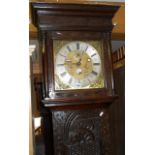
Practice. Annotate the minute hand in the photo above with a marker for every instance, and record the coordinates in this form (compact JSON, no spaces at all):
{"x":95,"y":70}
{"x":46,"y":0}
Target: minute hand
{"x":78,"y":63}
{"x":83,"y":52}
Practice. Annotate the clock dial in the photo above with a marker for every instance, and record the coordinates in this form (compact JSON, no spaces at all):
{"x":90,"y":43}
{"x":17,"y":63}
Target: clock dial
{"x":77,"y":65}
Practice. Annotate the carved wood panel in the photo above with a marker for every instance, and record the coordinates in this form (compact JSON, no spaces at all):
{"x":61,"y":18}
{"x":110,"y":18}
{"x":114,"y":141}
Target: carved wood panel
{"x":84,"y":132}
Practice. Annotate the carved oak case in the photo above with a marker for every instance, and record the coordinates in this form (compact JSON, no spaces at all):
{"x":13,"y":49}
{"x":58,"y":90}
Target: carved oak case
{"x":75,"y":48}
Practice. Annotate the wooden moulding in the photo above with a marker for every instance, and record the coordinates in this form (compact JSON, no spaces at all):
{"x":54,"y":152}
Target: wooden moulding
{"x":57,"y":16}
{"x":114,"y":36}
{"x":78,"y":103}
{"x":118,"y":31}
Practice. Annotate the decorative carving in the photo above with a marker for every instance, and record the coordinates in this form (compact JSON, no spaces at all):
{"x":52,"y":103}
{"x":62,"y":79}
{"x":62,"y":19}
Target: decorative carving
{"x":82,"y":132}
{"x":105,"y":132}
{"x":60,"y":116}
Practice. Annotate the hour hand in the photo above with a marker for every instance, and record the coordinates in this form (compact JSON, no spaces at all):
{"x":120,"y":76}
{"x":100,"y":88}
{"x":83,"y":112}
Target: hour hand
{"x":79,"y":62}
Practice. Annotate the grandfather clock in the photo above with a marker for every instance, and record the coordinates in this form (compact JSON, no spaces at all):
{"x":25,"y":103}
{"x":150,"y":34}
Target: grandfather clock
{"x":75,"y":41}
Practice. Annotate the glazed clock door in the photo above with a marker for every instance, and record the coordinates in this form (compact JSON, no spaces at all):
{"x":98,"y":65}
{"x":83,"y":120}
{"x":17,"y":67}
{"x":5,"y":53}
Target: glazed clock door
{"x":78,"y":65}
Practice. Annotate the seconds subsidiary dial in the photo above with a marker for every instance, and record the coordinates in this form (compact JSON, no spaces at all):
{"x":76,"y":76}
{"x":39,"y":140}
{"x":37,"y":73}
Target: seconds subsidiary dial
{"x":77,"y":64}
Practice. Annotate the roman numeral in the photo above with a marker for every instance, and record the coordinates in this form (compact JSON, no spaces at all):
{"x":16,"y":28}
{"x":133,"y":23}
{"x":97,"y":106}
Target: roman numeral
{"x":94,"y":73}
{"x":96,"y":64}
{"x":86,"y":48}
{"x":69,"y":49}
{"x":62,"y":55}
{"x":89,"y":81}
{"x":93,"y":54}
{"x":77,"y":46}
{"x":63,"y":74}
{"x":70,"y":80}
{"x":59,"y":65}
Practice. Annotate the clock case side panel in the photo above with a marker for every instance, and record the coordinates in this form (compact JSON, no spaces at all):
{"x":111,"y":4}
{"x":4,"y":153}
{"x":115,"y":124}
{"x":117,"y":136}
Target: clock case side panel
{"x":49,"y":63}
{"x":44,"y":62}
{"x":108,"y":63}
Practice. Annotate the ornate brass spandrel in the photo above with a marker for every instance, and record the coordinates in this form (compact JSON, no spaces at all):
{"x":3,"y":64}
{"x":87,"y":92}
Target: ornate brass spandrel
{"x":59,"y":85}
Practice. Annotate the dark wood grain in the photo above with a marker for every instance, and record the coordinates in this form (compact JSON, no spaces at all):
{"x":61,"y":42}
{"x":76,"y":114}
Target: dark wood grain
{"x":56,"y":16}
{"x":117,"y":113}
{"x":78,"y":132}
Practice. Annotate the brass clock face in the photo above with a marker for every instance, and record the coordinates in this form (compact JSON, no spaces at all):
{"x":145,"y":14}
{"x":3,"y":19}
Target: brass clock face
{"x":78,"y":65}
